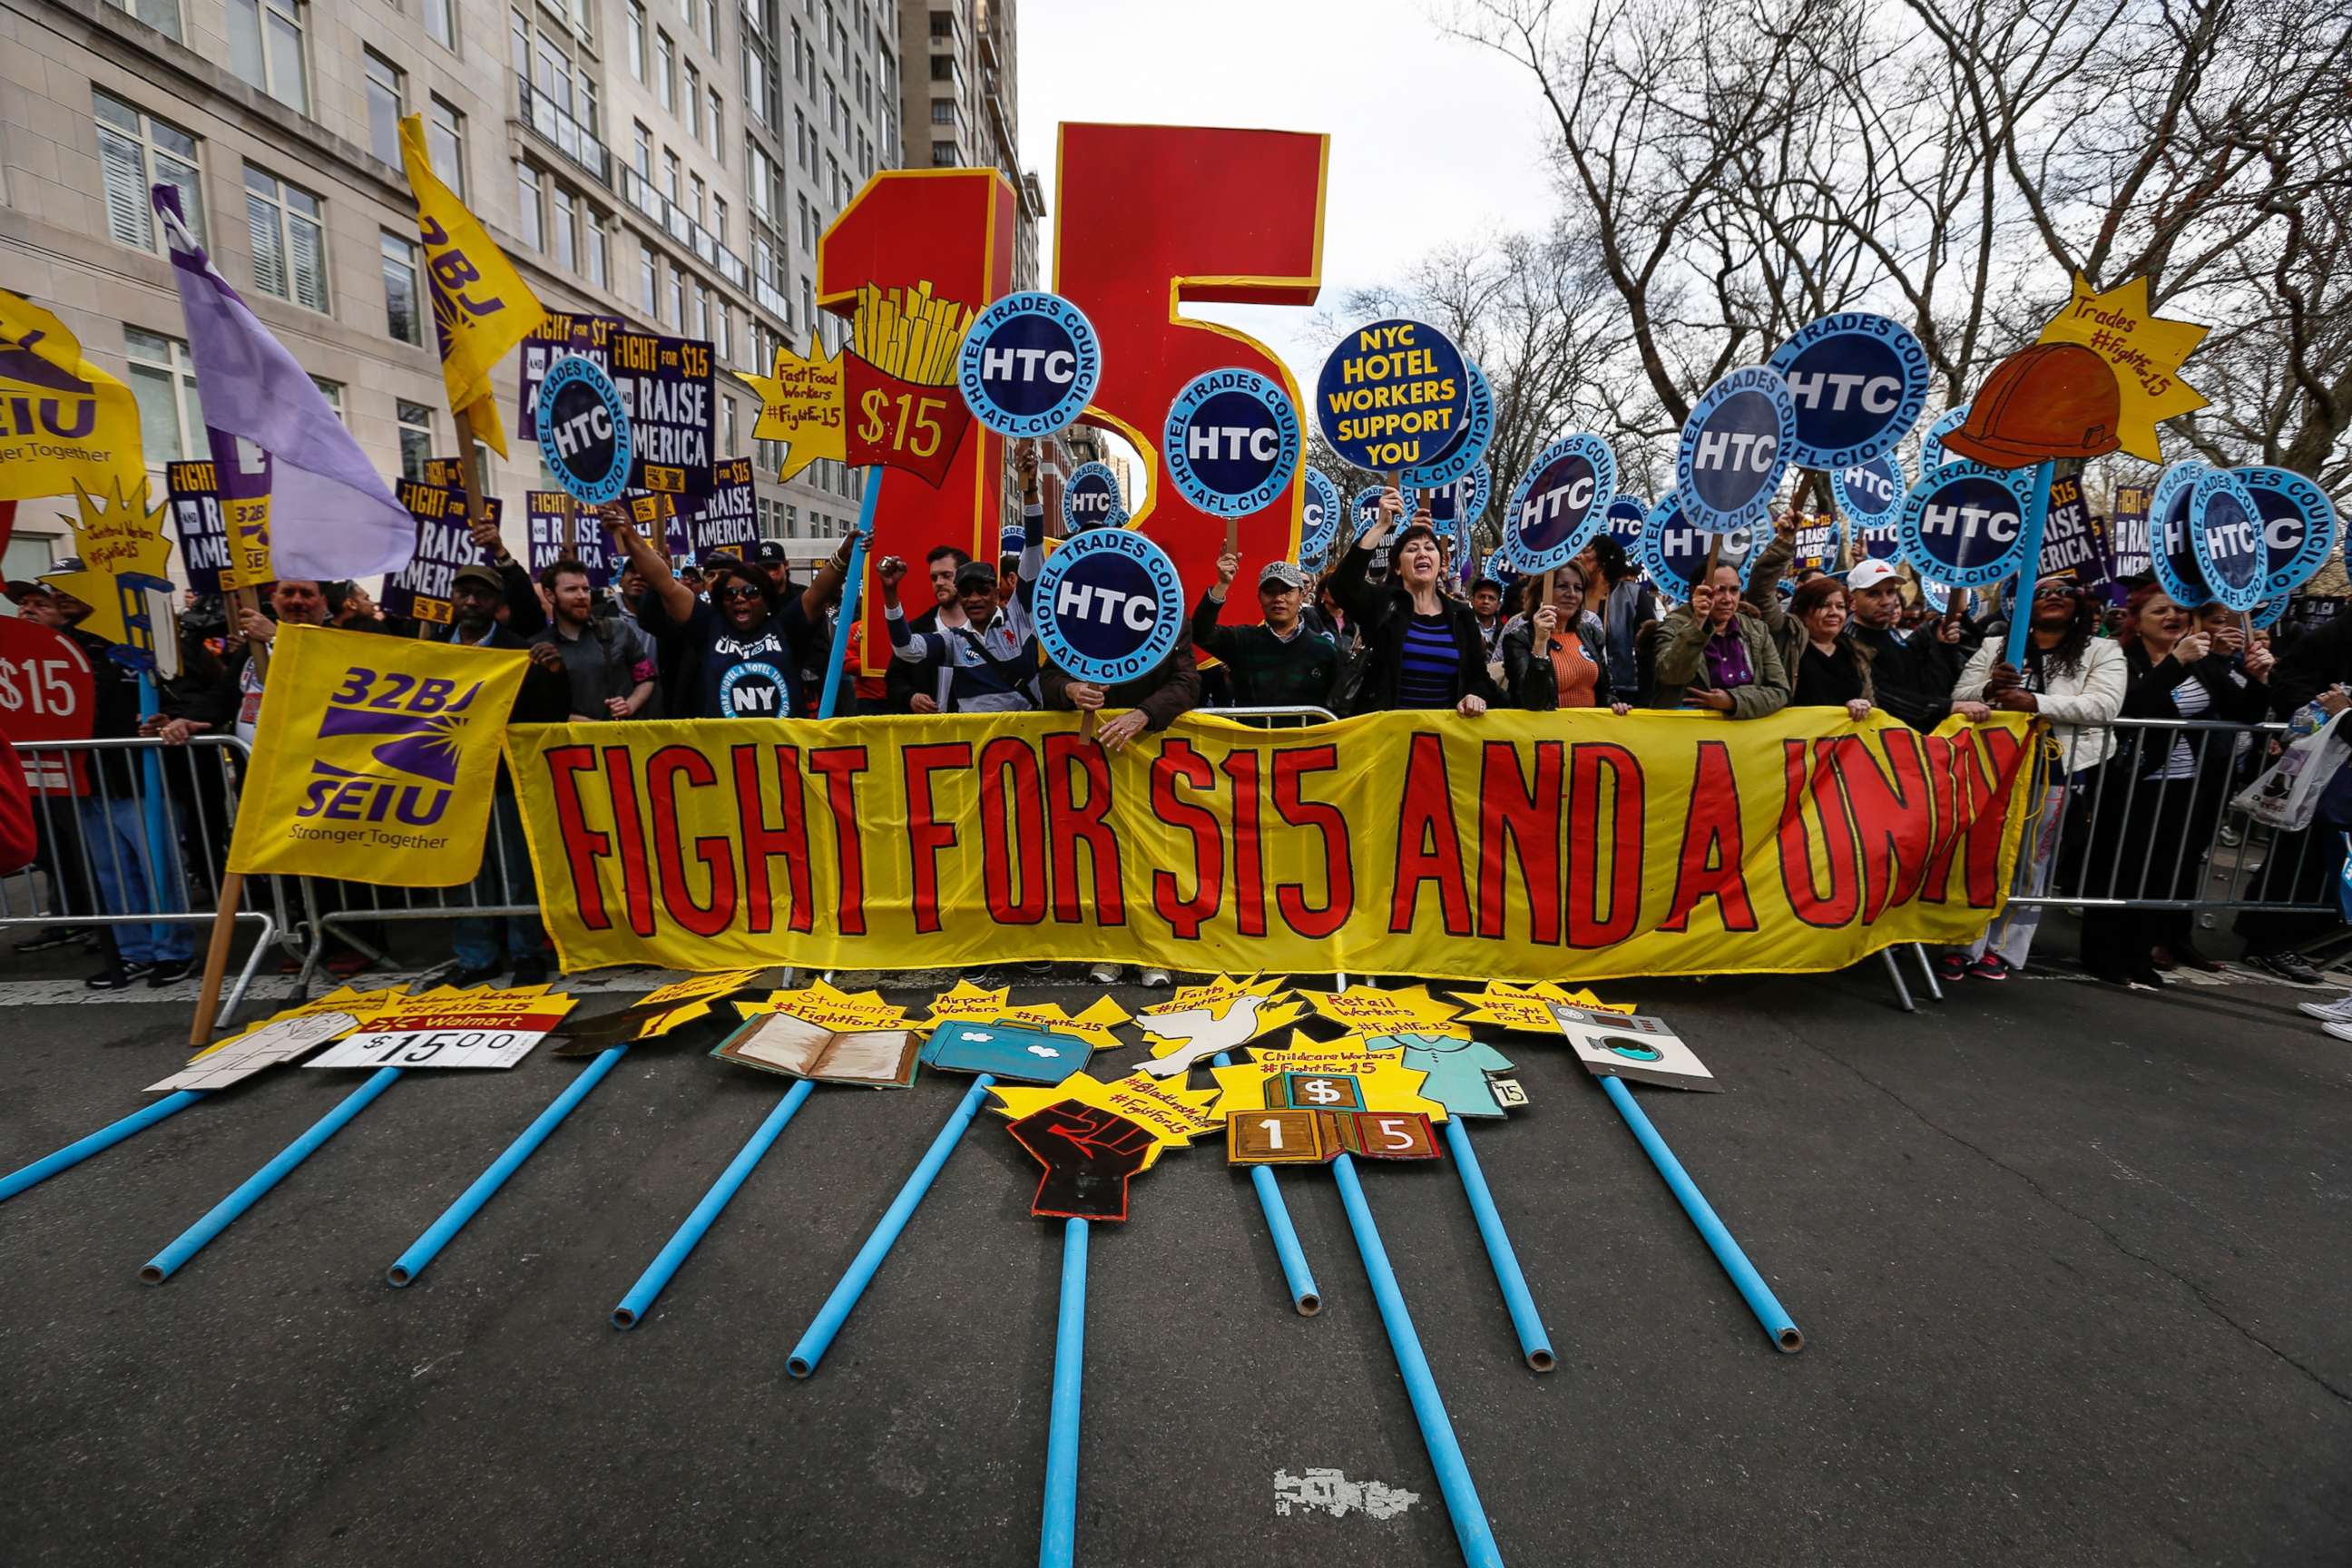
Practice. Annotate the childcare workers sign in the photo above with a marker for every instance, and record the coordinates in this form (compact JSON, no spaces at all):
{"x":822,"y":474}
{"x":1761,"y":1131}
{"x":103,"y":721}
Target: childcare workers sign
{"x":1527,"y":846}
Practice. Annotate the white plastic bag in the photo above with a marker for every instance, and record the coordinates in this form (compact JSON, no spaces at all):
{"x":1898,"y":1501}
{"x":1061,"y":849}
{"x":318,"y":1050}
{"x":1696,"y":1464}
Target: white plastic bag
{"x":2288,"y":792}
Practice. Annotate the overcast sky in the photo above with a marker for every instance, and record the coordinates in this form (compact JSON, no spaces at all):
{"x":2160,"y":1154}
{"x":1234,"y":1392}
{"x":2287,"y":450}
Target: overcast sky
{"x":1431,"y":137}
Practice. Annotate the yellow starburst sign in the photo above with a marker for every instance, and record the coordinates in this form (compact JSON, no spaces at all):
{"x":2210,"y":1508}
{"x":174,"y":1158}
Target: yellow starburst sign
{"x":1372,"y":1011}
{"x":124,"y":555}
{"x":801,"y":403}
{"x":965,"y":1003}
{"x":1203,"y":1021}
{"x":1527,"y":1009}
{"x":1171,"y":1113}
{"x":1383,"y":1083}
{"x":888,"y":400}
{"x":830,"y":1007}
{"x":2144,"y":350}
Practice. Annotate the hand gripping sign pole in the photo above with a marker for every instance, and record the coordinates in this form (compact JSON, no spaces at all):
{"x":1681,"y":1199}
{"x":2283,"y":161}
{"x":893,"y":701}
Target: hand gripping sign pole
{"x":1109,"y":608}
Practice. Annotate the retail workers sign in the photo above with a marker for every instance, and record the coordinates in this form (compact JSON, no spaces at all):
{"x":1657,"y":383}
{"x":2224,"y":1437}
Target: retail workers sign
{"x":1520,"y":846}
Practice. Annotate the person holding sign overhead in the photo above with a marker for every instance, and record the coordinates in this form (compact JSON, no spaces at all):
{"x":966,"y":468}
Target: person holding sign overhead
{"x":1278,"y":663}
{"x":1425,"y":650}
{"x":990,"y":655}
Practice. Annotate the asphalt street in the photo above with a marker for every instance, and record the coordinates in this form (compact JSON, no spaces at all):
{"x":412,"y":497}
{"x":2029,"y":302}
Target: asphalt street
{"x":2071,"y":1267}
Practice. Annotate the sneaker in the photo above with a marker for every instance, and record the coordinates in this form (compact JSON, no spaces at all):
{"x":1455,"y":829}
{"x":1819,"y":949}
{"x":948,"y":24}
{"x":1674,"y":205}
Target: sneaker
{"x":2290,"y":966}
{"x":1991,"y":966}
{"x":532,"y":971}
{"x":1103,"y":974}
{"x":1154,"y":979}
{"x":1951,"y":966}
{"x":2341,"y":1031}
{"x":56,"y":937}
{"x":171,"y":972}
{"x":2232,"y":836}
{"x":2337,"y":1011}
{"x":119,"y":976}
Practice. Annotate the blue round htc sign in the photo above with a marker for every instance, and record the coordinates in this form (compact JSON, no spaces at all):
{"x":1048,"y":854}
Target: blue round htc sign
{"x":1931,"y":445}
{"x":1561,"y":502}
{"x":1858,"y":382}
{"x":1366,"y":506}
{"x":583,"y":431}
{"x":1735,"y":448}
{"x":1963,"y":524}
{"x":1468,"y":446}
{"x":1869,"y":491}
{"x":1674,"y":549}
{"x":1320,"y":518}
{"x":2226,"y":531}
{"x":1457,"y":505}
{"x":1030,"y":364}
{"x":2171,"y":537}
{"x":1109,"y":605}
{"x":1091,"y":499}
{"x":2298,"y":527}
{"x":1393,"y":396}
{"x":1623,"y":523}
{"x":1230,"y":442}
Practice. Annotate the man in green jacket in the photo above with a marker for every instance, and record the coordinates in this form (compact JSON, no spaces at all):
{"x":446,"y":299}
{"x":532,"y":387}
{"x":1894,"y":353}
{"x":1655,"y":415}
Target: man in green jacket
{"x":1277,"y":663}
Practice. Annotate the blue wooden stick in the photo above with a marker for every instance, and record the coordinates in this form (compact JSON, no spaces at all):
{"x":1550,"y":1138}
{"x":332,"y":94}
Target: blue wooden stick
{"x":105,"y":1137}
{"x":438,"y":1235}
{"x":837,"y":1305}
{"x":1759,"y":1295}
{"x":849,"y":590}
{"x":2037,"y":517}
{"x":1057,"y":1539}
{"x":1534,"y":1342}
{"x":1304,"y":1293}
{"x":1461,"y":1493}
{"x":640,"y":1299}
{"x":191,"y":1241}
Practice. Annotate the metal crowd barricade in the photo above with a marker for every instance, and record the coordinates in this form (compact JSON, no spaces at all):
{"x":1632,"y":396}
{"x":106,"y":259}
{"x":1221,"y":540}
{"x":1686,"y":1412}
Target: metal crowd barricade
{"x":1297,"y":716}
{"x":2124,"y":840}
{"x":124,"y":843}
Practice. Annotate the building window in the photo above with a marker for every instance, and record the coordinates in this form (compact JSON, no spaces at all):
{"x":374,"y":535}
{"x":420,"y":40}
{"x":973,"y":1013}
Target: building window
{"x":289,"y":239}
{"x":441,"y":22}
{"x":702,"y":311}
{"x":636,"y":40}
{"x":587,"y":107}
{"x":599,"y":250}
{"x":415,"y":437}
{"x":386,"y":93}
{"x":942,"y":26}
{"x":563,"y":217}
{"x":670,"y":168}
{"x":265,"y":48}
{"x":554,"y":79}
{"x":518,"y":45}
{"x":699,"y":192}
{"x":526,"y":222}
{"x":798,"y":75}
{"x":944,"y":156}
{"x":713,"y":131}
{"x":726,"y":408}
{"x":403,"y":315}
{"x":718,"y":218}
{"x":164,"y":16}
{"x":675,"y":315}
{"x":755,"y":80}
{"x":647,"y":280}
{"x":164,"y":380}
{"x":332,"y":391}
{"x":693,"y":101}
{"x":760,"y":174}
{"x":134,"y":149}
{"x":641,"y":151}
{"x":444,"y":139}
{"x":943,"y":67}
{"x":944,"y":111}
{"x":666,"y":70}
{"x":808,"y":303}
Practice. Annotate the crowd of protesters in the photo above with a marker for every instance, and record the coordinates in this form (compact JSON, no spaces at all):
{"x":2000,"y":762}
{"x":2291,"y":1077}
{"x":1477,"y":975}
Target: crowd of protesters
{"x":1390,"y":625}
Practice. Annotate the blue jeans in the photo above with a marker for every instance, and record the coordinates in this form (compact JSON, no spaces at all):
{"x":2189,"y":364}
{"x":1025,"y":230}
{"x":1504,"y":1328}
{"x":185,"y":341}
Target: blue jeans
{"x":114,"y":832}
{"x":476,"y":940}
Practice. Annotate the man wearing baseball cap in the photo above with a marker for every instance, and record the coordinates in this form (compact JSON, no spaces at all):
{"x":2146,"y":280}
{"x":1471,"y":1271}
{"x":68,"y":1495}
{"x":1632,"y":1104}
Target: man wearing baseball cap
{"x":1913,"y":676}
{"x":1278,"y":663}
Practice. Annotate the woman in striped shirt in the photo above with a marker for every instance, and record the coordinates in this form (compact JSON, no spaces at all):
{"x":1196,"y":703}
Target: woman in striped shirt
{"x":1425,"y":650}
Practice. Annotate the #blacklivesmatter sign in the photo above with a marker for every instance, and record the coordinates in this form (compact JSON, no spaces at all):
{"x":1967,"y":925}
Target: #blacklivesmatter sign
{"x":1529,"y":847}
{"x":422,"y":590}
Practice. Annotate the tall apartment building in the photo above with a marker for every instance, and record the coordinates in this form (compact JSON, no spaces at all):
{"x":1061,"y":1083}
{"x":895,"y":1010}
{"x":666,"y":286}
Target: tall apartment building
{"x":961,"y":104}
{"x":670,"y":162}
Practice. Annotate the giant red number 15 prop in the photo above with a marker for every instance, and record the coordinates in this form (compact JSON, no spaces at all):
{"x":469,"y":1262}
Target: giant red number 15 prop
{"x":1150,"y":218}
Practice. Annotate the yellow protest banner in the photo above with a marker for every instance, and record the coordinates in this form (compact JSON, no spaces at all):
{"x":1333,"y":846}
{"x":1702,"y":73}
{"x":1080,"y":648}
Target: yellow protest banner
{"x":1519,"y":847}
{"x":481,"y":306}
{"x":374,"y":759}
{"x":65,"y":425}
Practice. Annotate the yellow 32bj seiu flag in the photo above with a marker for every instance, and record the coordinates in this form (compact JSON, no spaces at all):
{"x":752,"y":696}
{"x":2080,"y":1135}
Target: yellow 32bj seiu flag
{"x":481,"y":306}
{"x":65,"y":423}
{"x":374,"y":759}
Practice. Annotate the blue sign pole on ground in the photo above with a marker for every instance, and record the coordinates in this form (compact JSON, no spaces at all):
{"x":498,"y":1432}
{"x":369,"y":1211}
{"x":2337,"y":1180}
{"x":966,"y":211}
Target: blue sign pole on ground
{"x":105,"y":1138}
{"x":640,"y":1299}
{"x":1535,"y":1340}
{"x":815,"y":1340}
{"x":222,"y":1214}
{"x":1057,"y":1537}
{"x":1304,"y":1295}
{"x":438,"y":1235}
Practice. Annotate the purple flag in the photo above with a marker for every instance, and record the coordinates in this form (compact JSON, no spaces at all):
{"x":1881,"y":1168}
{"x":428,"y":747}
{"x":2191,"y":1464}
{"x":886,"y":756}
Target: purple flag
{"x":331,"y":515}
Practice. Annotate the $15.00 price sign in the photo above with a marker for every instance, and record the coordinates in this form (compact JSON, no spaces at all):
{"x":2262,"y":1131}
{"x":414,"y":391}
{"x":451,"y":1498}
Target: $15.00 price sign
{"x":46,"y":693}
